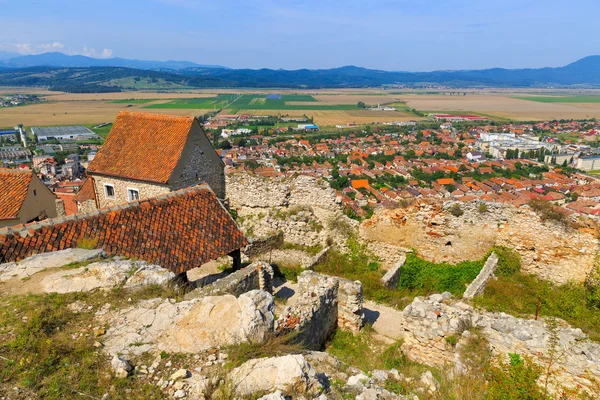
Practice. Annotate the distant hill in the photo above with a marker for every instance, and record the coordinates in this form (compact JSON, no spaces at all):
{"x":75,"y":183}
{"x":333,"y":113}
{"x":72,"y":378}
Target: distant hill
{"x":83,"y":78}
{"x":62,"y":60}
{"x":7,"y":55}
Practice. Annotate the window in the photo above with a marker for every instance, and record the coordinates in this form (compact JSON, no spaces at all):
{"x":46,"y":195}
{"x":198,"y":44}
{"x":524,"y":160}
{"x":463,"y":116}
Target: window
{"x":133,"y":194}
{"x":34,"y":192}
{"x":109,"y":191}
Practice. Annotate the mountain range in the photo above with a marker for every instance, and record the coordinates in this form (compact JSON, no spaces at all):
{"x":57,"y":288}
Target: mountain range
{"x":55,"y":59}
{"x":84,"y":74}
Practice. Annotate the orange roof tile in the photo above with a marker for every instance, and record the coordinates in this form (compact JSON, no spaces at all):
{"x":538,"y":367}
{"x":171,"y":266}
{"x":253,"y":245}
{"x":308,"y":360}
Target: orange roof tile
{"x":86,"y":192}
{"x":14,"y":186}
{"x":143,"y":146}
{"x":360,"y":183}
{"x":446,"y":181}
{"x":179,"y":231}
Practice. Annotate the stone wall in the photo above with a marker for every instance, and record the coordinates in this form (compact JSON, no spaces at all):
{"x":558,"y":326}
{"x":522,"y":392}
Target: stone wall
{"x":258,"y":275}
{"x":203,"y":165}
{"x":314,"y":315}
{"x":86,"y":206}
{"x":60,"y":208}
{"x":349,"y":296}
{"x":320,"y":256}
{"x":263,"y":245}
{"x":547,"y":249}
{"x":300,"y":207}
{"x":478,"y":285}
{"x":392,"y":276}
{"x":146,"y":190}
{"x":428,"y":322}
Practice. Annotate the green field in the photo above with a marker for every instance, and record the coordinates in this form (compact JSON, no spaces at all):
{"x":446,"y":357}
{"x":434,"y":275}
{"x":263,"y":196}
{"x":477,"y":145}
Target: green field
{"x":260,"y":102}
{"x":132,"y":101}
{"x":205,"y":103}
{"x":562,"y":99}
{"x":101,"y":131}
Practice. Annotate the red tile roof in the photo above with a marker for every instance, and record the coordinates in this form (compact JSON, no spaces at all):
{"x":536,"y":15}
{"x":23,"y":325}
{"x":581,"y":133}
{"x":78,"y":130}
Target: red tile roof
{"x":86,"y":192}
{"x":179,"y":231}
{"x":14,"y":186}
{"x":143,"y":146}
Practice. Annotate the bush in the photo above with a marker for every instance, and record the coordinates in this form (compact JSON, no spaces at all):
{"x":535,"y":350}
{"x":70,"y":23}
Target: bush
{"x":517,"y":381}
{"x":482,"y":208}
{"x":456,"y":210}
{"x":549,"y":212}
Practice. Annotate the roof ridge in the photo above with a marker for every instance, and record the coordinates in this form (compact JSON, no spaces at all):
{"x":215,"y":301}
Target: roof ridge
{"x":150,"y":115}
{"x":20,"y":229}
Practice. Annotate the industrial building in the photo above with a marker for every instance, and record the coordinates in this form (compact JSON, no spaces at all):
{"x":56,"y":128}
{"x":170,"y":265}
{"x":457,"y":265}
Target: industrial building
{"x":63,"y":133}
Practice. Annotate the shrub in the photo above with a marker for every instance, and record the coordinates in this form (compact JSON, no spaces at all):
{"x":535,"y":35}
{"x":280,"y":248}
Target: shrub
{"x":517,"y":381}
{"x":456,"y":210}
{"x":482,"y":208}
{"x":549,"y":212}
{"x":87,"y":243}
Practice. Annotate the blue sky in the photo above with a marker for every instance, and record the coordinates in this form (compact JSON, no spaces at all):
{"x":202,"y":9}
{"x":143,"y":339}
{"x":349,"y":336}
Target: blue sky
{"x":407,"y":35}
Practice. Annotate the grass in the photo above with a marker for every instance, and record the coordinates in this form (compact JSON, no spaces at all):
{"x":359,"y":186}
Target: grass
{"x":87,"y":243}
{"x":204,"y":103}
{"x":419,"y":277}
{"x":549,"y":212}
{"x":260,"y":102}
{"x":274,"y":346}
{"x":562,"y":99}
{"x":518,"y":295}
{"x":47,"y":351}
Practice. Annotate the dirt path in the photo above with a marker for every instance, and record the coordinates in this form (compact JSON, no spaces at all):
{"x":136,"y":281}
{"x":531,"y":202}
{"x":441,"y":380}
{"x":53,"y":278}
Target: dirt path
{"x":386,"y":320}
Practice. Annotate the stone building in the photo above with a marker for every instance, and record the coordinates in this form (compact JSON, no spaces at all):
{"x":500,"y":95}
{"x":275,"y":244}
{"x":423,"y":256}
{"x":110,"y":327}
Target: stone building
{"x":24,"y":198}
{"x":146,"y":155}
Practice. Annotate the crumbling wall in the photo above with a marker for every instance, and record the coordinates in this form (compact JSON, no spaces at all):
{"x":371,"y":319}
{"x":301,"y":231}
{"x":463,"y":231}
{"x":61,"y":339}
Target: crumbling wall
{"x":392,"y":277}
{"x":478,"y":285}
{"x":256,"y":276}
{"x":349,"y":310}
{"x":548,"y":249}
{"x":263,"y":245}
{"x":313,"y":317}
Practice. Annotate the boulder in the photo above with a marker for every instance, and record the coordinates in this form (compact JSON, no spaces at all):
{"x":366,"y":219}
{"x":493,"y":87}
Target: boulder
{"x":290,"y":374}
{"x":190,"y":326}
{"x":148,"y":275}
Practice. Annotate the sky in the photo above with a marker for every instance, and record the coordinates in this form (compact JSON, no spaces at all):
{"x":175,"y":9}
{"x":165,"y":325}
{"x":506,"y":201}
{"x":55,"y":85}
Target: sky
{"x":397,"y":35}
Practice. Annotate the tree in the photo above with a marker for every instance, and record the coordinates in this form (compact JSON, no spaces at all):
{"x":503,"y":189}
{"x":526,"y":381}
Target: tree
{"x":361,"y":104}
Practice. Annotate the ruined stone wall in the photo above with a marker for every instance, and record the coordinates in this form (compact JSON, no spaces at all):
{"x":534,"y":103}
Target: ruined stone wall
{"x":300,"y":207}
{"x":548,"y":250}
{"x":478,"y":285}
{"x":428,"y":322}
{"x":86,"y":206}
{"x":263,"y":245}
{"x":349,"y":297}
{"x":314,"y":315}
{"x":258,"y":275}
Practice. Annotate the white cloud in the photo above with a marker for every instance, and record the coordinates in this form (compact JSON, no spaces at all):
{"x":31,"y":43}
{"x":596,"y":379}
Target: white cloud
{"x":39,"y":48}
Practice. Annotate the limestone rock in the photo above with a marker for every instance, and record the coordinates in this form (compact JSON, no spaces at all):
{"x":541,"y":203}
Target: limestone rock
{"x":190,"y":326}
{"x":39,"y":262}
{"x":179,"y":374}
{"x":277,"y":395}
{"x":148,"y":275}
{"x":290,"y":374}
{"x":120,"y":366}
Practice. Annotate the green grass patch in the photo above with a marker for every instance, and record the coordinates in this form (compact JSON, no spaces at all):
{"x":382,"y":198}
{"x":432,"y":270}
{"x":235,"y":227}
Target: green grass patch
{"x":561,"y":99}
{"x":419,"y":277}
{"x":204,"y":103}
{"x":260,"y":102}
{"x":424,"y":277}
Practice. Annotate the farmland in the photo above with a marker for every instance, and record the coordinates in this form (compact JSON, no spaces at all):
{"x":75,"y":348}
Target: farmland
{"x":562,"y":99}
{"x":327,"y":107}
